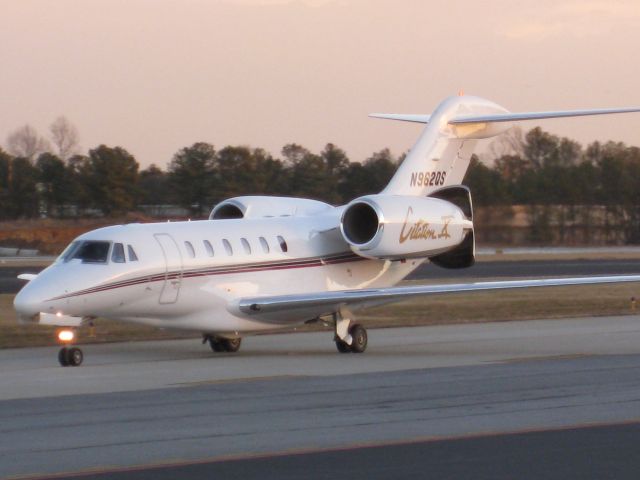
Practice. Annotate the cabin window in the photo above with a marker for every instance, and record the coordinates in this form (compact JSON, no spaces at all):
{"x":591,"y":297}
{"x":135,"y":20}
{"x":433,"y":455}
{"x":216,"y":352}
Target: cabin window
{"x":117,"y":255}
{"x":208,"y":248}
{"x":132,"y":254}
{"x":283,"y":244}
{"x":265,"y":244}
{"x":246,"y":246}
{"x":190,"y":249}
{"x":90,"y":251}
{"x":227,"y":246}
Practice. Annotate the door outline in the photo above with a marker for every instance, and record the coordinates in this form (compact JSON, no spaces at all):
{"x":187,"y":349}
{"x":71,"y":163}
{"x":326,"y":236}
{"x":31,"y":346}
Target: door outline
{"x":172,"y":269}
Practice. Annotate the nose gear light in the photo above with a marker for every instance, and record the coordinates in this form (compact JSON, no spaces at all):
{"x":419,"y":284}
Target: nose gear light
{"x":66,"y":336}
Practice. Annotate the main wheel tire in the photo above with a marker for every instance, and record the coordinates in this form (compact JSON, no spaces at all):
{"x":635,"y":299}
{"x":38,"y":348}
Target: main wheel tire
{"x":342,"y":346}
{"x":216,"y":344}
{"x":359,"y":336}
{"x":62,"y":357}
{"x":74,"y":357}
{"x":231,"y":344}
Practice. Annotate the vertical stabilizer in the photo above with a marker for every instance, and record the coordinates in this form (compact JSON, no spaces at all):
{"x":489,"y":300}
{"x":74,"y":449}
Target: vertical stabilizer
{"x":441,"y":155}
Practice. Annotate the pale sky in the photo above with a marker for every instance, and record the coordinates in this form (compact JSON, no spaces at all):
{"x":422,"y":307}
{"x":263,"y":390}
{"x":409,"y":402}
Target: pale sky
{"x":154,"y":76}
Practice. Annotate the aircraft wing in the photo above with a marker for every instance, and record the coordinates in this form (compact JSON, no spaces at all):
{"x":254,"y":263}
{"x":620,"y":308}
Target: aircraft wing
{"x":284,"y":309}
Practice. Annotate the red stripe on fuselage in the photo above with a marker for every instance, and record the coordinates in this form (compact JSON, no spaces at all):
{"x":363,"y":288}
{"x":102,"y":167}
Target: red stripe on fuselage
{"x":221,"y":270}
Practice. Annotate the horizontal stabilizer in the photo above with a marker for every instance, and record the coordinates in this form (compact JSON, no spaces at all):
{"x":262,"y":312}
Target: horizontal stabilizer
{"x":504,"y":117}
{"x":404,"y":117}
{"x":514,"y":117}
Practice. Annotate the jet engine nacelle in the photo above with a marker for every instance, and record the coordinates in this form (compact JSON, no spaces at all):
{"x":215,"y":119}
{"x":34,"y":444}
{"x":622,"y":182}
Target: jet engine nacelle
{"x":396,"y":227}
{"x":266,"y":206}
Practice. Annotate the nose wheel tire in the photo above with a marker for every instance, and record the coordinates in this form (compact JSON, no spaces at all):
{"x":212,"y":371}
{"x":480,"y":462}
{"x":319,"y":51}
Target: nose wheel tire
{"x":70,"y":357}
{"x":62,"y":357}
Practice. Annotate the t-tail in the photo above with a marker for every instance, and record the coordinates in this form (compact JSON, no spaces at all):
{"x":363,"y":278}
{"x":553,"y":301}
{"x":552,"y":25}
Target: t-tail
{"x":425,"y":211}
{"x":442,"y":153}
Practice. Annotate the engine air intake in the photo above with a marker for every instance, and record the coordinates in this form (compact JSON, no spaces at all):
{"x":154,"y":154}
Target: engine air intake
{"x":360,"y":223}
{"x":227,"y":211}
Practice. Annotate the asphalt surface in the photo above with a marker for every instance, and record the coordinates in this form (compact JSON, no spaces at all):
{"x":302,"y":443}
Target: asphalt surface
{"x":597,"y":452}
{"x":511,"y":400}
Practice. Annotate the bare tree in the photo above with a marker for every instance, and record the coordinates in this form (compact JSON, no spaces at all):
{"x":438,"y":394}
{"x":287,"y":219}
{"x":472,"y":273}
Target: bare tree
{"x":26,"y":142}
{"x":509,"y":143}
{"x":65,"y":137}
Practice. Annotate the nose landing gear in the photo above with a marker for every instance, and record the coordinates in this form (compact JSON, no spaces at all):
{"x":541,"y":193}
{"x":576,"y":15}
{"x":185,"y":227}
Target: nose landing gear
{"x":69,"y":356}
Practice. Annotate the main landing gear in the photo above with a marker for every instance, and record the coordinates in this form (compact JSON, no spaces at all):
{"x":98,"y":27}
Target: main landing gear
{"x":349,"y":338}
{"x":69,"y":356}
{"x":222,"y":344}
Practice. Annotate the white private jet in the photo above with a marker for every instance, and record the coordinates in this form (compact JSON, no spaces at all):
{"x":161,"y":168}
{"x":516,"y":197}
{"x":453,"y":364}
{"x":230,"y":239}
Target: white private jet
{"x":260,"y":263}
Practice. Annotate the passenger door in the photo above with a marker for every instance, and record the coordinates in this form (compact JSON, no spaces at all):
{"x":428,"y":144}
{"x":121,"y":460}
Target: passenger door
{"x":173,"y":268}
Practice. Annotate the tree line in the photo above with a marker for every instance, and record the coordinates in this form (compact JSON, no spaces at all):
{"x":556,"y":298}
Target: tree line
{"x":562,"y":183}
{"x":109,"y":181}
{"x":536,"y":169}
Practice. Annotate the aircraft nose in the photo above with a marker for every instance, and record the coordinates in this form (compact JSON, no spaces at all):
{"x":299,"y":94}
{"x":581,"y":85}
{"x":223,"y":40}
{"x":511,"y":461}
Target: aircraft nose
{"x":27,"y":302}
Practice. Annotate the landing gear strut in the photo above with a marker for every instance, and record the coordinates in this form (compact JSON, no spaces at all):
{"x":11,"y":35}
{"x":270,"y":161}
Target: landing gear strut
{"x":349,"y":338}
{"x":222,"y":344}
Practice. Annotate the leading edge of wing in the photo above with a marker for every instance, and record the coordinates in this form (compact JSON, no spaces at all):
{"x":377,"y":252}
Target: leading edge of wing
{"x":326,"y":302}
{"x":505,"y":117}
{"x":404,"y":117}
{"x":514,"y":117}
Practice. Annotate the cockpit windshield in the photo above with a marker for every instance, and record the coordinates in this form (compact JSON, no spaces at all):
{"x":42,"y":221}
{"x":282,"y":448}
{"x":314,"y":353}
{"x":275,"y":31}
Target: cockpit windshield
{"x":68,"y":252}
{"x":89,"y":251}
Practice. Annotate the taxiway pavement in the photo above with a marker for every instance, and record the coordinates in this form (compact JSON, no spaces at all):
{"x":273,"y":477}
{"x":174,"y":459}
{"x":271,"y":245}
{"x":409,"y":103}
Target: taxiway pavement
{"x":593,"y":452}
{"x":175,"y":401}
